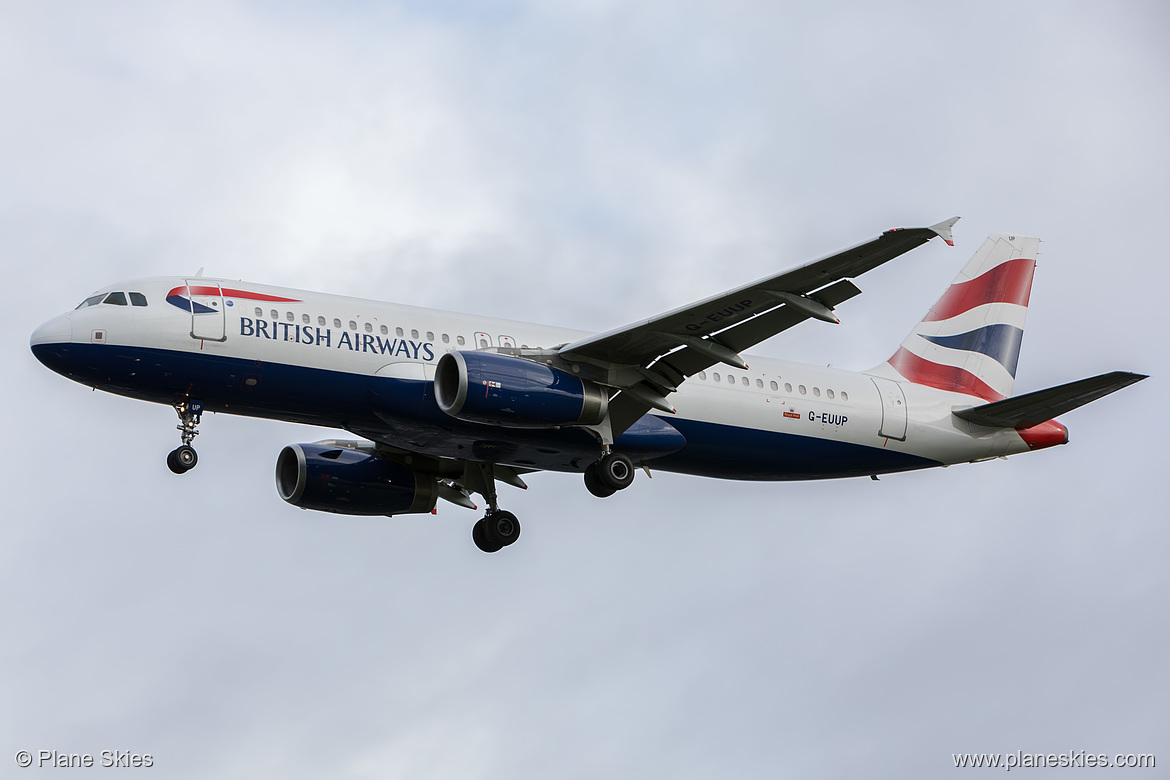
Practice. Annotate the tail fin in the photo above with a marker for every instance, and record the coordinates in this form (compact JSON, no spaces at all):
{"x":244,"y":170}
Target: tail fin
{"x":969,"y":341}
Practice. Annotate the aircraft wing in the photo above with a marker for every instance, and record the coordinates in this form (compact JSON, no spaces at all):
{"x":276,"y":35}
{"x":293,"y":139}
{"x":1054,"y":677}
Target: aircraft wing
{"x":648,"y":360}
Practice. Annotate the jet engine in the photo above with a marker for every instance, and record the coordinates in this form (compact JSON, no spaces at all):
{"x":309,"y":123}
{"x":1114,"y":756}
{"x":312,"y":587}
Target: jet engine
{"x":329,"y":478}
{"x":488,"y":387}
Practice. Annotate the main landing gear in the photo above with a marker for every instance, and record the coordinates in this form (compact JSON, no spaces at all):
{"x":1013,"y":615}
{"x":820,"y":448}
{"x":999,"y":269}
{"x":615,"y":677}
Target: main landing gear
{"x":495,"y":531}
{"x":607,"y":476}
{"x":183,"y":458}
{"x":498,"y":528}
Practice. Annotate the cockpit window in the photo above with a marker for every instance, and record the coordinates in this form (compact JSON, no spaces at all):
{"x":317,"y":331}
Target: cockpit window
{"x":116,"y":298}
{"x":138,"y":299}
{"x":92,"y":300}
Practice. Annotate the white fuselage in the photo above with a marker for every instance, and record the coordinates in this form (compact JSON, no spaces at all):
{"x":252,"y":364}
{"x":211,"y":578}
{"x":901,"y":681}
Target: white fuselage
{"x":364,"y":366}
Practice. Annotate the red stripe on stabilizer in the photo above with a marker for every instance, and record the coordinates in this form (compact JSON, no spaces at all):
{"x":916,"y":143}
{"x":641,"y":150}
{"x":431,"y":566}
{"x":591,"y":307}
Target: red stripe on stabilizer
{"x":925,"y":372}
{"x":228,"y":293}
{"x":1009,"y":282}
{"x":1046,"y":434}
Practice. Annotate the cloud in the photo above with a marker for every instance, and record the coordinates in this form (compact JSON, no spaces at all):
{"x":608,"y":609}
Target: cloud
{"x":585,"y":165}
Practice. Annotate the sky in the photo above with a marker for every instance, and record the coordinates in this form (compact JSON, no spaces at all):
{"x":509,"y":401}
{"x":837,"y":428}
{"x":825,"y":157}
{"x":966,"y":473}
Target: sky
{"x":585,"y":164}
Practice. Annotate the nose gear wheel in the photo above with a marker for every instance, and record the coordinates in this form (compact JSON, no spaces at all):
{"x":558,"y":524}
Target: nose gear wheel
{"x":183,"y":458}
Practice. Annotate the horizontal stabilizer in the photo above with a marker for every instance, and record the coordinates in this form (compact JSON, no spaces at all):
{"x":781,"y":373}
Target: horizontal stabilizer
{"x":1031,"y":409}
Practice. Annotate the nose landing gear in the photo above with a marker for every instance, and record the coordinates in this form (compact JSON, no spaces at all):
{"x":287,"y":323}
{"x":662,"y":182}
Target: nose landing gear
{"x":183,"y":458}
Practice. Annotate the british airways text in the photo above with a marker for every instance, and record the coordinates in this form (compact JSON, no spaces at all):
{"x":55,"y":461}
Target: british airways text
{"x":323,"y":337}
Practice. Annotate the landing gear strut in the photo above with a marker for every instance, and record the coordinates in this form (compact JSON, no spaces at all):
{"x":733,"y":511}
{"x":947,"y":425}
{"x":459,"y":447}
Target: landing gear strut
{"x":183,"y":458}
{"x":498,"y":528}
{"x":607,"y":476}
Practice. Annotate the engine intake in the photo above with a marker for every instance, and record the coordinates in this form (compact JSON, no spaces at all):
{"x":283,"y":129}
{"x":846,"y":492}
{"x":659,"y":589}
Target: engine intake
{"x":351,"y":482}
{"x":487,"y":387}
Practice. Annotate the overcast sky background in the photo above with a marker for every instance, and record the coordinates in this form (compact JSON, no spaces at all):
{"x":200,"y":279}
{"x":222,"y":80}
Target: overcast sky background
{"x":585,"y":164}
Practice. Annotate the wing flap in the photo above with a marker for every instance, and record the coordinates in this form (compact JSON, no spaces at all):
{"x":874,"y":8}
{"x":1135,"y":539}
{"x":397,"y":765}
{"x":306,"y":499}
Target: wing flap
{"x":1030,"y":409}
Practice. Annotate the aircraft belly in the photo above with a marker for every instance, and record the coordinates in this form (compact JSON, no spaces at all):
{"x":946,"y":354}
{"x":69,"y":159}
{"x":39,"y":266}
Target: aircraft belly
{"x":403,"y":413}
{"x":397,"y":412}
{"x":732,"y":452}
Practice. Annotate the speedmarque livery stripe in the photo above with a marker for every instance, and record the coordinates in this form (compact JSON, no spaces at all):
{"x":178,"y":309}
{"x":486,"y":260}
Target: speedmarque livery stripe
{"x":176,"y":297}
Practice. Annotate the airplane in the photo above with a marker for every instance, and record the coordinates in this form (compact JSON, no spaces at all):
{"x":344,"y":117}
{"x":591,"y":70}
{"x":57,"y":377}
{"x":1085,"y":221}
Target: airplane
{"x":448,"y":405}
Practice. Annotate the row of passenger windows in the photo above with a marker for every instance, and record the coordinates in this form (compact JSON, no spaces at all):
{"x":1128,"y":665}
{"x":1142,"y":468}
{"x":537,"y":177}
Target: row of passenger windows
{"x":483,"y":340}
{"x":774,"y":385}
{"x":115,"y":298}
{"x":508,"y":341}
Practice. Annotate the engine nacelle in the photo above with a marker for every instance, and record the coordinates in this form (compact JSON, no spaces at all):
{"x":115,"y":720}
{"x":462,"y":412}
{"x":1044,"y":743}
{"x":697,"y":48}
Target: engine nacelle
{"x":351,"y":482}
{"x":487,"y":387}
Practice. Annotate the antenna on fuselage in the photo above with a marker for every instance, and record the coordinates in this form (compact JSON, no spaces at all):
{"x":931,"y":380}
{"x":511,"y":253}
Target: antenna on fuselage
{"x":199,"y":273}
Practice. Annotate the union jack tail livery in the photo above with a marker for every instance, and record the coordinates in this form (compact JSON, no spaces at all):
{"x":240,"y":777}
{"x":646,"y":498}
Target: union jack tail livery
{"x":969,"y":341}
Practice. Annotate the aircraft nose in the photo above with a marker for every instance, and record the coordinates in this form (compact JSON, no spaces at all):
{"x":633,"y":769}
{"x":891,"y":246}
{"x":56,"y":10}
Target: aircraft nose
{"x":50,"y":343}
{"x":58,"y":330}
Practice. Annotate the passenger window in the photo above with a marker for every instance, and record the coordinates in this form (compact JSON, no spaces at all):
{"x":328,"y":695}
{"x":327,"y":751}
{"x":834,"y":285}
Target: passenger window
{"x":788,"y":387}
{"x":369,"y":327}
{"x":275,"y":314}
{"x":446,"y":339}
{"x":760,"y":383}
{"x":259,"y":312}
{"x":336,"y":322}
{"x":116,"y":298}
{"x":844,"y":396}
{"x":817,"y":392}
{"x":430,"y":336}
{"x":413,"y":333}
{"x":830,"y":394}
{"x":137,"y":299}
{"x":398,"y":332}
{"x":305,"y":318}
{"x":703,"y":375}
{"x":774,"y":386}
{"x":460,"y":340}
{"x":715,"y":376}
{"x":746,"y":382}
{"x":289,"y":316}
{"x":802,"y":390}
{"x":384,"y":330}
{"x":352,"y":325}
{"x":321,"y":321}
